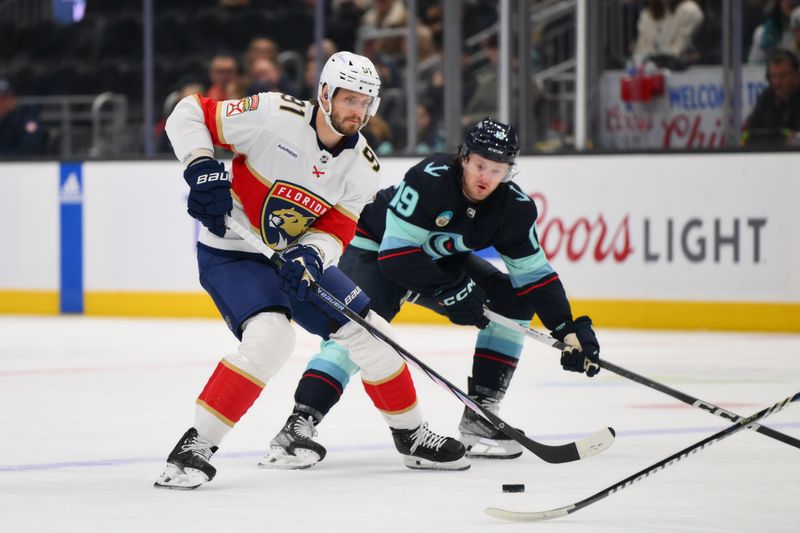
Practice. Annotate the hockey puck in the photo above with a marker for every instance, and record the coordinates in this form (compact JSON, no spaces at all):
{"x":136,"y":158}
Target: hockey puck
{"x":513,"y":488}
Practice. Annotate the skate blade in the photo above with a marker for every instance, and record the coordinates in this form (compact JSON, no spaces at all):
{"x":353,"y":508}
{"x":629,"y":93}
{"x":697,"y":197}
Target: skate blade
{"x":417,"y":463}
{"x":279,"y":459}
{"x":176,"y":478}
{"x":484,"y":448}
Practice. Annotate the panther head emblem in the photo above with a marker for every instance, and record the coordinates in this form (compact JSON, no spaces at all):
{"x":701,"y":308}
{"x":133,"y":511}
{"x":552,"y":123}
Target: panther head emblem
{"x":290,"y":222}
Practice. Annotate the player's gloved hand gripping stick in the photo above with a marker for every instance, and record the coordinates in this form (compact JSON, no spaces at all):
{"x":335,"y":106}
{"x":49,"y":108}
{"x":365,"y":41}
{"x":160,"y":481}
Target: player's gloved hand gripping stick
{"x":209,"y":193}
{"x":581,"y":352}
{"x":301,"y":267}
{"x":633,"y":376}
{"x":463,"y":302}
{"x":573,"y":451}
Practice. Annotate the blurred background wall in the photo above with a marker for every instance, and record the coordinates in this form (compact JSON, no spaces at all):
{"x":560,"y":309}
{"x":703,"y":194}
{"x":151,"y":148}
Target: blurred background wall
{"x":658,"y":136}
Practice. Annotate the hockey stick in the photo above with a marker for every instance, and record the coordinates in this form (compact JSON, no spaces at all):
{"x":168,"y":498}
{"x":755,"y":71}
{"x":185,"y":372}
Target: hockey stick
{"x":742,"y":423}
{"x":633,"y":376}
{"x":573,"y":451}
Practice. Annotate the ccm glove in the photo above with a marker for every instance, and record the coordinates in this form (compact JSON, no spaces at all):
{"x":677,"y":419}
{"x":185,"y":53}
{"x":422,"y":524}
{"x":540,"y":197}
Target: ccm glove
{"x":585,"y":356}
{"x":209,"y":193}
{"x":463,"y":302}
{"x":302,"y":265}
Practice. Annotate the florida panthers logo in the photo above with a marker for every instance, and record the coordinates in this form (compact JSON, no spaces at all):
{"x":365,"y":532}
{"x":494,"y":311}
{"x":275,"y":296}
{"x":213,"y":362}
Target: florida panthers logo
{"x":288,"y":222}
{"x":288,"y":211}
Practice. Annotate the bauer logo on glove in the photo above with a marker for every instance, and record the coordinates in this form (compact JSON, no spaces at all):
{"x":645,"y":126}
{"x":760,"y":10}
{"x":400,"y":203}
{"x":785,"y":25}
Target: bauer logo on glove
{"x":209,"y":193}
{"x":213,"y":176}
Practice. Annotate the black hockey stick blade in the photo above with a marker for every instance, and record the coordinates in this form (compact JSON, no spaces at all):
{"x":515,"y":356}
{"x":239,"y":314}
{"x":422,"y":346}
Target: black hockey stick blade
{"x":642,"y":380}
{"x":572,"y":451}
{"x":523,"y":516}
{"x":562,"y":453}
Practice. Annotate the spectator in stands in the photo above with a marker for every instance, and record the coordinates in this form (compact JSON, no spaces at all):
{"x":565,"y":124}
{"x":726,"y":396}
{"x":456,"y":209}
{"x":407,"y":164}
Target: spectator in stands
{"x":342,"y":23}
{"x":754,"y":13}
{"x":379,"y":135}
{"x":260,"y":48}
{"x":385,"y":14}
{"x":265,"y":76}
{"x":794,"y":24}
{"x":483,"y":100}
{"x":172,"y":99}
{"x":666,"y":29}
{"x":776,"y":115}
{"x":237,"y":88}
{"x":328,"y":49}
{"x":309,"y":89}
{"x":387,"y":65}
{"x":774,"y":33}
{"x":221,"y":71}
{"x":260,"y":73}
{"x":430,"y":138}
{"x":21,"y":134}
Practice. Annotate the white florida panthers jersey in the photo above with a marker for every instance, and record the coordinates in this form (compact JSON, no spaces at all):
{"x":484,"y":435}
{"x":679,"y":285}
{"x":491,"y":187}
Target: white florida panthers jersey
{"x":287,"y":186}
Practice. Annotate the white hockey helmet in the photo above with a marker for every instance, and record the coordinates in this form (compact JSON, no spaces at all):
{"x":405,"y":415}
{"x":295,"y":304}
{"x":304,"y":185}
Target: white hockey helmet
{"x":346,"y":70}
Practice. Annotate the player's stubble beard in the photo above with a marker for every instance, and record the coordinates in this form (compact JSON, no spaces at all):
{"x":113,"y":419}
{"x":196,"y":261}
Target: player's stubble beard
{"x":347,"y":128}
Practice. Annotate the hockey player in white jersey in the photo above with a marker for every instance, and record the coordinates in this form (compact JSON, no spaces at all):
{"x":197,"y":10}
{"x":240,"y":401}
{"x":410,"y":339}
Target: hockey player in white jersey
{"x":301,"y":174}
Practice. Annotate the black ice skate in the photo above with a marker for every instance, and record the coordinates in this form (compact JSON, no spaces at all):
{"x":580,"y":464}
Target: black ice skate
{"x":423,"y":449}
{"x":480,"y":437}
{"x":188,"y":464}
{"x":293,"y":447}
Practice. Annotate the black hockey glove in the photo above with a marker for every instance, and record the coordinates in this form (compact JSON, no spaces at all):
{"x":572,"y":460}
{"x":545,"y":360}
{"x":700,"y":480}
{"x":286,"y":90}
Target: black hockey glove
{"x":209,"y":194}
{"x":463,"y":302}
{"x":585,"y":357}
{"x":301,"y":266}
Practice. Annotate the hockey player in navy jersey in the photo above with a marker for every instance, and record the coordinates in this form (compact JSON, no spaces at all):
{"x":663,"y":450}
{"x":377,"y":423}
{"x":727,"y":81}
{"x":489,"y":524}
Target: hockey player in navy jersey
{"x":415,"y":242}
{"x":301,"y":175}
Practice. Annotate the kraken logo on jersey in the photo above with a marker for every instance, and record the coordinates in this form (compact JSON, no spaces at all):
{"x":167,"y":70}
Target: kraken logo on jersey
{"x":288,"y":211}
{"x":442,"y":244}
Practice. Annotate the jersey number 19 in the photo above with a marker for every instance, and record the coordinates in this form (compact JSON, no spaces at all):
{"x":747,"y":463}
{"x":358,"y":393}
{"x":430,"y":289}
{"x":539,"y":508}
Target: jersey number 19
{"x":405,"y":200}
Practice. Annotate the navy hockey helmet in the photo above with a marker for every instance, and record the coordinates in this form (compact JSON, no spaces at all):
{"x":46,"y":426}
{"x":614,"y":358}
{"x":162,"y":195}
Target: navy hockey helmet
{"x":493,"y":140}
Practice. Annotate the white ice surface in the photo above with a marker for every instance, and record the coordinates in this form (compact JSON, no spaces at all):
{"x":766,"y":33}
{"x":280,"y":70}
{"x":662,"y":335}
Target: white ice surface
{"x":89,"y":409}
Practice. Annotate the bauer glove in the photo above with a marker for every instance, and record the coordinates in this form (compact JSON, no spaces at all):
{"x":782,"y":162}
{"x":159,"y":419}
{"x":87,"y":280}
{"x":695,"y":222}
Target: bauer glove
{"x":209,"y":193}
{"x":302,"y":265}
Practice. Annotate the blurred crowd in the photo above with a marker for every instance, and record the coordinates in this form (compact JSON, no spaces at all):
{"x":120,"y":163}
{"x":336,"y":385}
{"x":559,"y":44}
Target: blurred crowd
{"x":671,"y":34}
{"x":680,"y":33}
{"x":365,"y":26}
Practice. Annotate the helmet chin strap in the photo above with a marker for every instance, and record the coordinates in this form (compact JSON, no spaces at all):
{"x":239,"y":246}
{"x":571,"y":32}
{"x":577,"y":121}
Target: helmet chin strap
{"x":327,"y":116}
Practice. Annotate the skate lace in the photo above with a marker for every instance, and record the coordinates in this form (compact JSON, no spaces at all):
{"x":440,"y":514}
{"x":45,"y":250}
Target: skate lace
{"x":305,"y":427}
{"x":491,"y":404}
{"x":426,"y":438}
{"x":199,"y":446}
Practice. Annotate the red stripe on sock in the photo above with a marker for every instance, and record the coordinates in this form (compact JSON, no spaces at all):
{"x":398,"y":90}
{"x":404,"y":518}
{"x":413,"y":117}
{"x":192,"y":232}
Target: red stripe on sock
{"x":329,"y":382}
{"x":396,"y":394}
{"x":229,"y":393}
{"x":542,"y":284}
{"x":493,"y":358}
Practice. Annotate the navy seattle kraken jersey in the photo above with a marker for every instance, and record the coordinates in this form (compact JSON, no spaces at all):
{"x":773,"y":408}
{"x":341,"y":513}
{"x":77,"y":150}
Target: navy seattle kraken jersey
{"x":427,"y":218}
